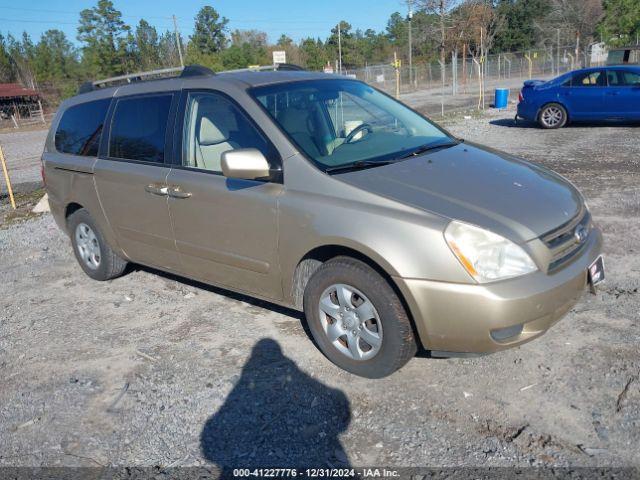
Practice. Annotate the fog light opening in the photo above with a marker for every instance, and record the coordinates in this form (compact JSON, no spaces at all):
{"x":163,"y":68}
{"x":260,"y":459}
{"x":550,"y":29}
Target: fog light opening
{"x":504,"y":334}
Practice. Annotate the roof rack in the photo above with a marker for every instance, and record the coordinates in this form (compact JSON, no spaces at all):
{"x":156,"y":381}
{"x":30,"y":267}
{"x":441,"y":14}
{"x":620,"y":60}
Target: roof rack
{"x":288,"y":67}
{"x":182,"y":72}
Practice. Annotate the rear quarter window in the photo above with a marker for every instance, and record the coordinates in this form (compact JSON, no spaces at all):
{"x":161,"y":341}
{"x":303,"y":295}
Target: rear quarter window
{"x":80,"y":127}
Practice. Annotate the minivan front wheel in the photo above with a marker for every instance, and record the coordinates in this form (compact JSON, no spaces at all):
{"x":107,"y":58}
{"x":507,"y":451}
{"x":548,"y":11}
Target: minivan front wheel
{"x":357,"y":320}
{"x":552,"y":115}
{"x":95,"y":256}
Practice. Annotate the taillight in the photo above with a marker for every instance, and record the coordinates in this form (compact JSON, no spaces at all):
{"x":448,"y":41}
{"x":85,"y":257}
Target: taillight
{"x":520,"y":97}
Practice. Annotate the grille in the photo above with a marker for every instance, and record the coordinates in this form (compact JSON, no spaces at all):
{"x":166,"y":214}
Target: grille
{"x":562,"y":241}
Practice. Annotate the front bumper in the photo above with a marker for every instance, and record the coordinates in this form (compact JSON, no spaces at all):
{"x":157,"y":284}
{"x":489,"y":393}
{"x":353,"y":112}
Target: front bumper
{"x":460,"y":318}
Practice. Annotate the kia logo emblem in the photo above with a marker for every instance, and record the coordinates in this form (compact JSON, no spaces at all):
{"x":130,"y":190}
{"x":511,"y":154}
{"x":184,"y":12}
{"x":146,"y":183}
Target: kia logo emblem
{"x":580,"y":234}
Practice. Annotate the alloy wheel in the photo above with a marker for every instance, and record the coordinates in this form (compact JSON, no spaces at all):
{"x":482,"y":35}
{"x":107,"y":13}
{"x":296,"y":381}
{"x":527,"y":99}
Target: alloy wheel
{"x":552,"y":116}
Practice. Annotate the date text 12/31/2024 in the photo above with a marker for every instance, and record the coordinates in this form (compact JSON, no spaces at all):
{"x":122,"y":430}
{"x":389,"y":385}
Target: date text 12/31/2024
{"x":315,"y":473}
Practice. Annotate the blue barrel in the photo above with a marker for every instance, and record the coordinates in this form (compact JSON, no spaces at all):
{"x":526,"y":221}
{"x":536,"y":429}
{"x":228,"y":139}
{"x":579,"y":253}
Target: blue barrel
{"x":502,"y":98}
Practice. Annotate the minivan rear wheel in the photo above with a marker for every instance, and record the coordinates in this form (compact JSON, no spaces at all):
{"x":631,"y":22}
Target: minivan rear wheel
{"x":357,"y":319}
{"x":552,"y":115}
{"x":95,"y":256}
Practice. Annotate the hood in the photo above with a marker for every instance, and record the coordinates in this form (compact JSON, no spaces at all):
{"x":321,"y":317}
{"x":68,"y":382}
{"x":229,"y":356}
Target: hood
{"x":476,"y":185}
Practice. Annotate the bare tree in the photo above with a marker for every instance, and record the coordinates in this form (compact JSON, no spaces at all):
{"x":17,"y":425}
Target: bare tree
{"x":476,"y":24}
{"x":575,"y":20}
{"x":441,"y":8}
{"x":255,"y":38}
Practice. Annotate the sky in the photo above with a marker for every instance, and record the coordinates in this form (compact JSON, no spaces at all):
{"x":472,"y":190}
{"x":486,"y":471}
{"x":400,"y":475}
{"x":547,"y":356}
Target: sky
{"x":297,"y":18}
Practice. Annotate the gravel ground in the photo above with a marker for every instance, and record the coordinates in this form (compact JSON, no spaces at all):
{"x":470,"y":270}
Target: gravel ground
{"x":152,"y":370}
{"x":22,"y":151}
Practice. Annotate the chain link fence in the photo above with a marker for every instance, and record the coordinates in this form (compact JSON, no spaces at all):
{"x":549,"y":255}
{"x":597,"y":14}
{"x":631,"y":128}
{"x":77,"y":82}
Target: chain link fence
{"x":465,"y":83}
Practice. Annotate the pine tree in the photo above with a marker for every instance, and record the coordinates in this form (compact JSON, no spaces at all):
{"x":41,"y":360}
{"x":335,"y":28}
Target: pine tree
{"x":209,"y":32}
{"x":104,"y":36}
{"x":147,"y":45}
{"x":7,"y":72}
{"x":620,"y":25}
{"x":55,"y":57}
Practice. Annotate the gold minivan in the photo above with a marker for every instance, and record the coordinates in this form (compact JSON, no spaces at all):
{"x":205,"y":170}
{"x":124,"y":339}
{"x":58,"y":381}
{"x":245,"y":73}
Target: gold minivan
{"x":319,"y":192}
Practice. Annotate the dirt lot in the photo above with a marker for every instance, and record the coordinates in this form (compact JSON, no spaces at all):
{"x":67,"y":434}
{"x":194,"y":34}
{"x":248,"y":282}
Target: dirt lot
{"x":154,"y":370}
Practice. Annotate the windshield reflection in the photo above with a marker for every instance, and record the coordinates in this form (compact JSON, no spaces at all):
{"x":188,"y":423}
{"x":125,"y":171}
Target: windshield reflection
{"x":345,"y":122}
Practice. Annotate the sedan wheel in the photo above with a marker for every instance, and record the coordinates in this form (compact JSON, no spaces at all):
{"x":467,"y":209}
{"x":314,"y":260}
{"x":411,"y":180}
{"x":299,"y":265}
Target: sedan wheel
{"x":553,"y":116}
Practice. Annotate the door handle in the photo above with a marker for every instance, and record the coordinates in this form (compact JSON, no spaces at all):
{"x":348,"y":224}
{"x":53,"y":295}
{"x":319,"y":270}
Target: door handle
{"x":156,"y":189}
{"x":176,"y":192}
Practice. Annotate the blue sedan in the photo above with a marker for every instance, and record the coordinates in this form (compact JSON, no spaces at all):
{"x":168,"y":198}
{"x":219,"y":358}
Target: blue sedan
{"x":590,"y":94}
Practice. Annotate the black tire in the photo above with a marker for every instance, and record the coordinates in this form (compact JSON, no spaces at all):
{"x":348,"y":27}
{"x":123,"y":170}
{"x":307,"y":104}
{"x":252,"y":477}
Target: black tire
{"x":110,"y":265}
{"x":398,"y":344}
{"x":552,"y":116}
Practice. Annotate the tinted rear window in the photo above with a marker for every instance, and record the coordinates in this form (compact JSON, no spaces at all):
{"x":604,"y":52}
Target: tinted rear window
{"x":139,"y":128}
{"x":80,"y":127}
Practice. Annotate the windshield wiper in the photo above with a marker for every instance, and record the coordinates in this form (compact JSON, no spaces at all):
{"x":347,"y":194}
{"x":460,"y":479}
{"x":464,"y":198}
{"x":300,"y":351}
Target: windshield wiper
{"x":359,"y":165}
{"x":362,"y":164}
{"x":428,"y":147}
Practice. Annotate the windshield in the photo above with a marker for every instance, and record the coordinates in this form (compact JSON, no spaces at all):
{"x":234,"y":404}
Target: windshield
{"x":344,"y":122}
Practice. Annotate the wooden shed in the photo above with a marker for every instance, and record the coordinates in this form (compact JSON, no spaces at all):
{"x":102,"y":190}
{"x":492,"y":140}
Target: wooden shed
{"x":18,"y":102}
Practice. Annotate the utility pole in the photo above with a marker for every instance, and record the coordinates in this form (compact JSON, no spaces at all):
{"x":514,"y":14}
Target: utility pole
{"x":339,"y":49}
{"x":409,"y":3}
{"x":178,"y":43}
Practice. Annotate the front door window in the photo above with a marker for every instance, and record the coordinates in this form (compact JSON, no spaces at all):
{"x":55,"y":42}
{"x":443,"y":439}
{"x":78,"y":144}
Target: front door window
{"x":214,"y":125}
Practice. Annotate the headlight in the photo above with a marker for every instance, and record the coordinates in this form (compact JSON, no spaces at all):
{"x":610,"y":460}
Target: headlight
{"x":485,"y":255}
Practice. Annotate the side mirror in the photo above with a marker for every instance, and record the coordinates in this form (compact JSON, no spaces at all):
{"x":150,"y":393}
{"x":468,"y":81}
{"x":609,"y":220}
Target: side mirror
{"x":244,"y":163}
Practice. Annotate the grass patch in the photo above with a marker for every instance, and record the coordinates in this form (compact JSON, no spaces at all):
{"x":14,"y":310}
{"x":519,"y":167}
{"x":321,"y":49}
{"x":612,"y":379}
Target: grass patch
{"x":25,"y":201}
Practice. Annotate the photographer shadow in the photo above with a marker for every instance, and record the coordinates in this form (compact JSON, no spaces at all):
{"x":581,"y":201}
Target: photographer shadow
{"x":276,"y":416}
